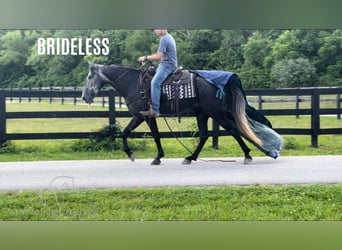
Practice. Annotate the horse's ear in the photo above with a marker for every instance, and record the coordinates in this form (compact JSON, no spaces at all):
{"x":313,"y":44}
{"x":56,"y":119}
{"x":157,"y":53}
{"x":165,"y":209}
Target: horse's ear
{"x":92,"y":66}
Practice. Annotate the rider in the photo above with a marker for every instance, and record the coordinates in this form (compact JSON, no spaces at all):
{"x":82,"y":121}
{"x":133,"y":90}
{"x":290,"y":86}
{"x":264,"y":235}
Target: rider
{"x":167,"y":54}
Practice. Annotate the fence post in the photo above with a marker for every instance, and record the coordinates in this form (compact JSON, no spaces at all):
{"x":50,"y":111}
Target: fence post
{"x":75,"y":99}
{"x":259,"y":102}
{"x":111,"y":104}
{"x":338,"y":105}
{"x":315,"y":123}
{"x":40,"y":98}
{"x":50,"y":99}
{"x":20,"y":96}
{"x":216,"y":128}
{"x":29,"y":98}
{"x":104,"y":102}
{"x":62,"y":99}
{"x":11,"y":98}
{"x":297,"y":105}
{"x":2,"y":117}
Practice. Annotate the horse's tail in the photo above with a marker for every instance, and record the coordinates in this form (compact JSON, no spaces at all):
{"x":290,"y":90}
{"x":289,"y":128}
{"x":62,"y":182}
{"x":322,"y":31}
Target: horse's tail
{"x":238,"y":109}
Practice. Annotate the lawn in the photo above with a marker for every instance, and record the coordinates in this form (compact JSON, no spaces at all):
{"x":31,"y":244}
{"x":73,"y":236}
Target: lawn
{"x":297,"y":202}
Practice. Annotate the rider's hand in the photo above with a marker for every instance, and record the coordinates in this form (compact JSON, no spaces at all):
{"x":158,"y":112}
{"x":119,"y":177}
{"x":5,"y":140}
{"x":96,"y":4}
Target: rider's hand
{"x":142,"y":59}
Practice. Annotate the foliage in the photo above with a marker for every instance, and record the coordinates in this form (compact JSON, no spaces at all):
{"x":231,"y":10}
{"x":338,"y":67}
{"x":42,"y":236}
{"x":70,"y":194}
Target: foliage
{"x":7,"y":148}
{"x":107,"y":140}
{"x":255,"y":55}
{"x":293,"y":73}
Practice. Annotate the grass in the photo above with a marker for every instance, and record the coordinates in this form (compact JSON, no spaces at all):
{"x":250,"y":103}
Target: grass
{"x":294,"y":202}
{"x":313,"y":202}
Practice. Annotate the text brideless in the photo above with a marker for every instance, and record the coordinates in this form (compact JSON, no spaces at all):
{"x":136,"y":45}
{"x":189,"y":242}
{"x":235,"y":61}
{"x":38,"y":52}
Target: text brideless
{"x":73,"y":46}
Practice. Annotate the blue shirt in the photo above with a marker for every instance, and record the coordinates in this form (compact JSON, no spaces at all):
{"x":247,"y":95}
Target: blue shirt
{"x":167,"y":46}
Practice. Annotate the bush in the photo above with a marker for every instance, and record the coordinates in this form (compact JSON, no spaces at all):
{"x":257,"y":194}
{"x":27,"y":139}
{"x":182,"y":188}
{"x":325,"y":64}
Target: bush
{"x":293,"y":73}
{"x":290,"y":143}
{"x":106,"y":140}
{"x":7,"y":147}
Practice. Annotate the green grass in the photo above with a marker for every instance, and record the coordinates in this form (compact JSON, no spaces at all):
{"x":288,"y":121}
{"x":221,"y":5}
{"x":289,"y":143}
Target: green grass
{"x":293,"y":202}
{"x":313,"y":202}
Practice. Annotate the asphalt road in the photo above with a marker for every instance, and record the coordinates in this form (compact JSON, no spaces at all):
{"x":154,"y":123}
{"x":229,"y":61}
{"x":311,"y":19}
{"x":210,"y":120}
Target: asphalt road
{"x":57,"y":175}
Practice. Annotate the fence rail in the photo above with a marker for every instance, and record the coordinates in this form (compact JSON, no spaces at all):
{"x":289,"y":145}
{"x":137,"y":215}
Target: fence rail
{"x":314,"y":111}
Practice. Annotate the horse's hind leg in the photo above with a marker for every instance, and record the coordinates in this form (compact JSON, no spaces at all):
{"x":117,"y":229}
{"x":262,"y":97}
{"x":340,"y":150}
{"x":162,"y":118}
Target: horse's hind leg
{"x":155,"y":133}
{"x":248,"y":158}
{"x":202,"y":123}
{"x":134,"y":123}
{"x":230,"y":126}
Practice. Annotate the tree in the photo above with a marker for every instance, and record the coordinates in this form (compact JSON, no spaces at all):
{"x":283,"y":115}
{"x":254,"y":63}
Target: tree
{"x":184,"y":56}
{"x":256,"y":55}
{"x":140,"y":42}
{"x":255,"y":52}
{"x":202,"y":44}
{"x":229,"y":56}
{"x":293,"y":73}
{"x":51,"y":70}
{"x":14,"y":49}
{"x":330,"y":58}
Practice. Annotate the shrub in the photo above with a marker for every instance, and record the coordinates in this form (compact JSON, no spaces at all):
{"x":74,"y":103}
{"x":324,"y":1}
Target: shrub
{"x":293,"y":73}
{"x":290,"y":143}
{"x":107,"y":139}
{"x":7,"y":147}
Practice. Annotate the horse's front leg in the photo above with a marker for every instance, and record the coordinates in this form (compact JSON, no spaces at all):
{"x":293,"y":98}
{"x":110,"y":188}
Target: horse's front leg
{"x":152,"y":123}
{"x":202,"y":123}
{"x":134,"y":123}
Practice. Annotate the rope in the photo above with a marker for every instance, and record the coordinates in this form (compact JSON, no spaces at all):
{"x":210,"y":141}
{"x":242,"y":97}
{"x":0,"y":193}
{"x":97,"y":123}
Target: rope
{"x":187,"y":148}
{"x":174,"y":135}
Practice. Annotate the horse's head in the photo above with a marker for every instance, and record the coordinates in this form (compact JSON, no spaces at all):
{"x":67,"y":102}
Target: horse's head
{"x":120,"y":78}
{"x":95,"y":81}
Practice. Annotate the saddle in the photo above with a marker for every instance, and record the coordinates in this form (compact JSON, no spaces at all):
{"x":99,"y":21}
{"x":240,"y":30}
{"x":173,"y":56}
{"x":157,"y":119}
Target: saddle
{"x":180,"y":84}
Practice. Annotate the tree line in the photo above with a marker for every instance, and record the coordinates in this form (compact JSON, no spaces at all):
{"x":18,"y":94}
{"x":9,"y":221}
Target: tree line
{"x":262,"y":58}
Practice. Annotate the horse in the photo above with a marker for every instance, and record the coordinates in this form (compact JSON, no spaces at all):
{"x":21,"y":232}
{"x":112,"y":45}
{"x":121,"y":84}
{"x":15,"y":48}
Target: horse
{"x":229,"y":111}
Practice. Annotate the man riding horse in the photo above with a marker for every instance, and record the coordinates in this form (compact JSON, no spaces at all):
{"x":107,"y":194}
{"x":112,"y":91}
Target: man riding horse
{"x":167,"y":54}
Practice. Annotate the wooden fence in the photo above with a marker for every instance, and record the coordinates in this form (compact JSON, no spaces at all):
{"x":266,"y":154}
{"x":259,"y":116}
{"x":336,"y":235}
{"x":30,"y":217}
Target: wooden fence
{"x":313,"y":95}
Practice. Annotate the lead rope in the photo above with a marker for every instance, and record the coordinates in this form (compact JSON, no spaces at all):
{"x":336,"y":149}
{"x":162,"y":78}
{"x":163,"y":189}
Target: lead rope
{"x":174,"y":135}
{"x":187,"y":148}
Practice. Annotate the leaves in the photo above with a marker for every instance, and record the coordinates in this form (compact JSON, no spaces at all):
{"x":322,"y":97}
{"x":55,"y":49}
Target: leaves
{"x":293,"y":72}
{"x":263,"y":58}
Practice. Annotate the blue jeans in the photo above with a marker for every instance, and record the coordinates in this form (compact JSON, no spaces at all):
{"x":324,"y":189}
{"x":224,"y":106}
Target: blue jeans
{"x":163,"y":71}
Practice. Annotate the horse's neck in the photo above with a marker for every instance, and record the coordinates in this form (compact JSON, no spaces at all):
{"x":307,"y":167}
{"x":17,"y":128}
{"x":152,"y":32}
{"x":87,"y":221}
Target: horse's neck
{"x":125,"y":81}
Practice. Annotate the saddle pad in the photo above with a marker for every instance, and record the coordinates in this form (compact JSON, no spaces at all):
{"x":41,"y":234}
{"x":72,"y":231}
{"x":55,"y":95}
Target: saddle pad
{"x":184,"y":90}
{"x":215,"y":77}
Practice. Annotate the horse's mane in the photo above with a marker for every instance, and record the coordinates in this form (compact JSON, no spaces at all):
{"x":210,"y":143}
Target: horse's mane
{"x":112,"y":72}
{"x":117,"y":76}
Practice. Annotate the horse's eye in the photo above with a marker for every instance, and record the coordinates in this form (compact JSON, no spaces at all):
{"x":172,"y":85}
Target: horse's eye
{"x":89,"y":77}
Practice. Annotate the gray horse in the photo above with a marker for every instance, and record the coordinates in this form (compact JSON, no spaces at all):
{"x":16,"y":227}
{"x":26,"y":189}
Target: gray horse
{"x":230,"y":111}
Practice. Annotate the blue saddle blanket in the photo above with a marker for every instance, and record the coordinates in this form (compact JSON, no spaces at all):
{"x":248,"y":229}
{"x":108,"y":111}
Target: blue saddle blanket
{"x":215,"y":77}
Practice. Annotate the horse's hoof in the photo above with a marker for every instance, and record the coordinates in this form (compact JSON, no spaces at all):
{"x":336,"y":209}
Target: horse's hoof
{"x":274,"y":154}
{"x":132,"y":157}
{"x":186,"y":161}
{"x":247,"y":160}
{"x":156,"y":162}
